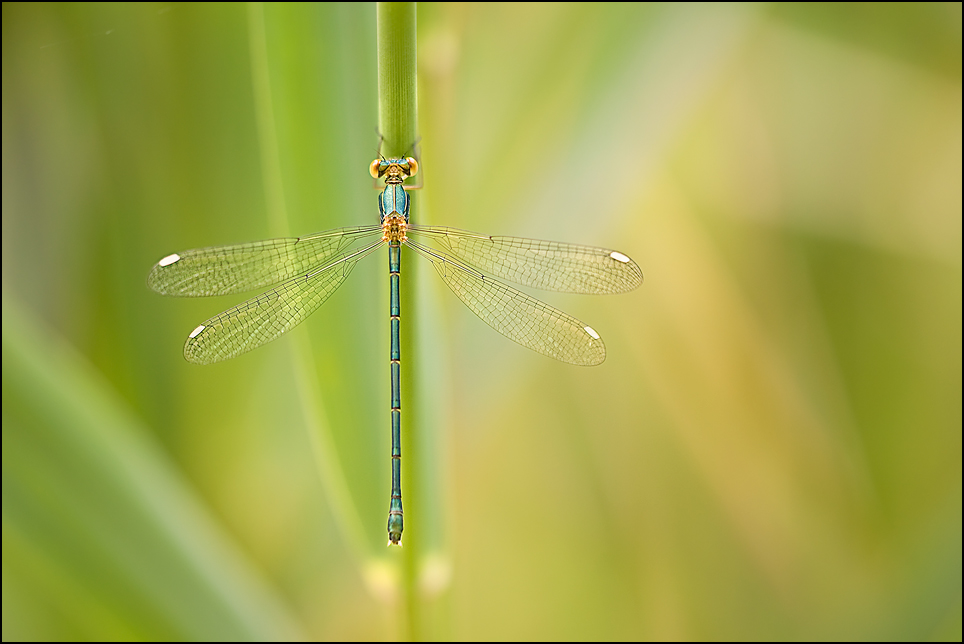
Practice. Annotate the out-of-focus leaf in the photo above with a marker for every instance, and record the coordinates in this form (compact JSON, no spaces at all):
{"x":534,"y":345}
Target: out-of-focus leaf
{"x":102,"y":537}
{"x":921,"y":33}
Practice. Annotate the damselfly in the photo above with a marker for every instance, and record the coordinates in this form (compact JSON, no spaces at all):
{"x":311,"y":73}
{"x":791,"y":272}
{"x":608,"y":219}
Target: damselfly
{"x":307,"y":270}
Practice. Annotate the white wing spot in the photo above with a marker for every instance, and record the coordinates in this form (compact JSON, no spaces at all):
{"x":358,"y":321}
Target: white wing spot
{"x":619,"y":257}
{"x":170,"y":259}
{"x":200,"y":328}
{"x":592,"y":332}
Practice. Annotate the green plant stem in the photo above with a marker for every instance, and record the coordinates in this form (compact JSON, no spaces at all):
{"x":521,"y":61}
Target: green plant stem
{"x":397,"y":91}
{"x":397,"y":118}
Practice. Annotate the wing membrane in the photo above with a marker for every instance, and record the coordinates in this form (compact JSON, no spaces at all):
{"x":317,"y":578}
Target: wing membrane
{"x":268,"y":316}
{"x":223,"y":270}
{"x":553,"y":266}
{"x":517,"y":316}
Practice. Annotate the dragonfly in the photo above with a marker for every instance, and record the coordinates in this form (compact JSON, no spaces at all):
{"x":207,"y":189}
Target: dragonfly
{"x":303,"y":272}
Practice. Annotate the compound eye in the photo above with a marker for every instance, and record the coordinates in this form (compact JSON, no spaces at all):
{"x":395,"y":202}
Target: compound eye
{"x":412,"y":166}
{"x":373,"y":168}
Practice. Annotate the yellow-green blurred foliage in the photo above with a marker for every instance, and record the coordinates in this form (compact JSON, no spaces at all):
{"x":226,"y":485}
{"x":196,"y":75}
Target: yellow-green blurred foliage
{"x":771,"y":450}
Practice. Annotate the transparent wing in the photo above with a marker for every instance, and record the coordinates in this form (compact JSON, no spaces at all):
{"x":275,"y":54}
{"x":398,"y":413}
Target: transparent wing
{"x":553,"y":266}
{"x":517,"y":316}
{"x":223,"y":270}
{"x":268,"y":316}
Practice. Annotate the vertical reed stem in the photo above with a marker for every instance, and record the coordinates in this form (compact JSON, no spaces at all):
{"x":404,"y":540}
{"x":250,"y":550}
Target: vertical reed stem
{"x":397,"y":118}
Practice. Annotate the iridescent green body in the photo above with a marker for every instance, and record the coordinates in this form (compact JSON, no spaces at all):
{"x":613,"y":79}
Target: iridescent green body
{"x":303,"y":272}
{"x":393,"y":211}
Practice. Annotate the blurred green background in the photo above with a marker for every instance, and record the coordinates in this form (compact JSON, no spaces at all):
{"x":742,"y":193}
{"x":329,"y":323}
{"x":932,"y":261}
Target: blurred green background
{"x":771,"y":450}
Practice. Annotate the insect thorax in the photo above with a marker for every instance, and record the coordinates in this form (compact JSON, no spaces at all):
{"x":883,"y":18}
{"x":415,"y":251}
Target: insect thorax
{"x":393,"y":208}
{"x":393,"y":202}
